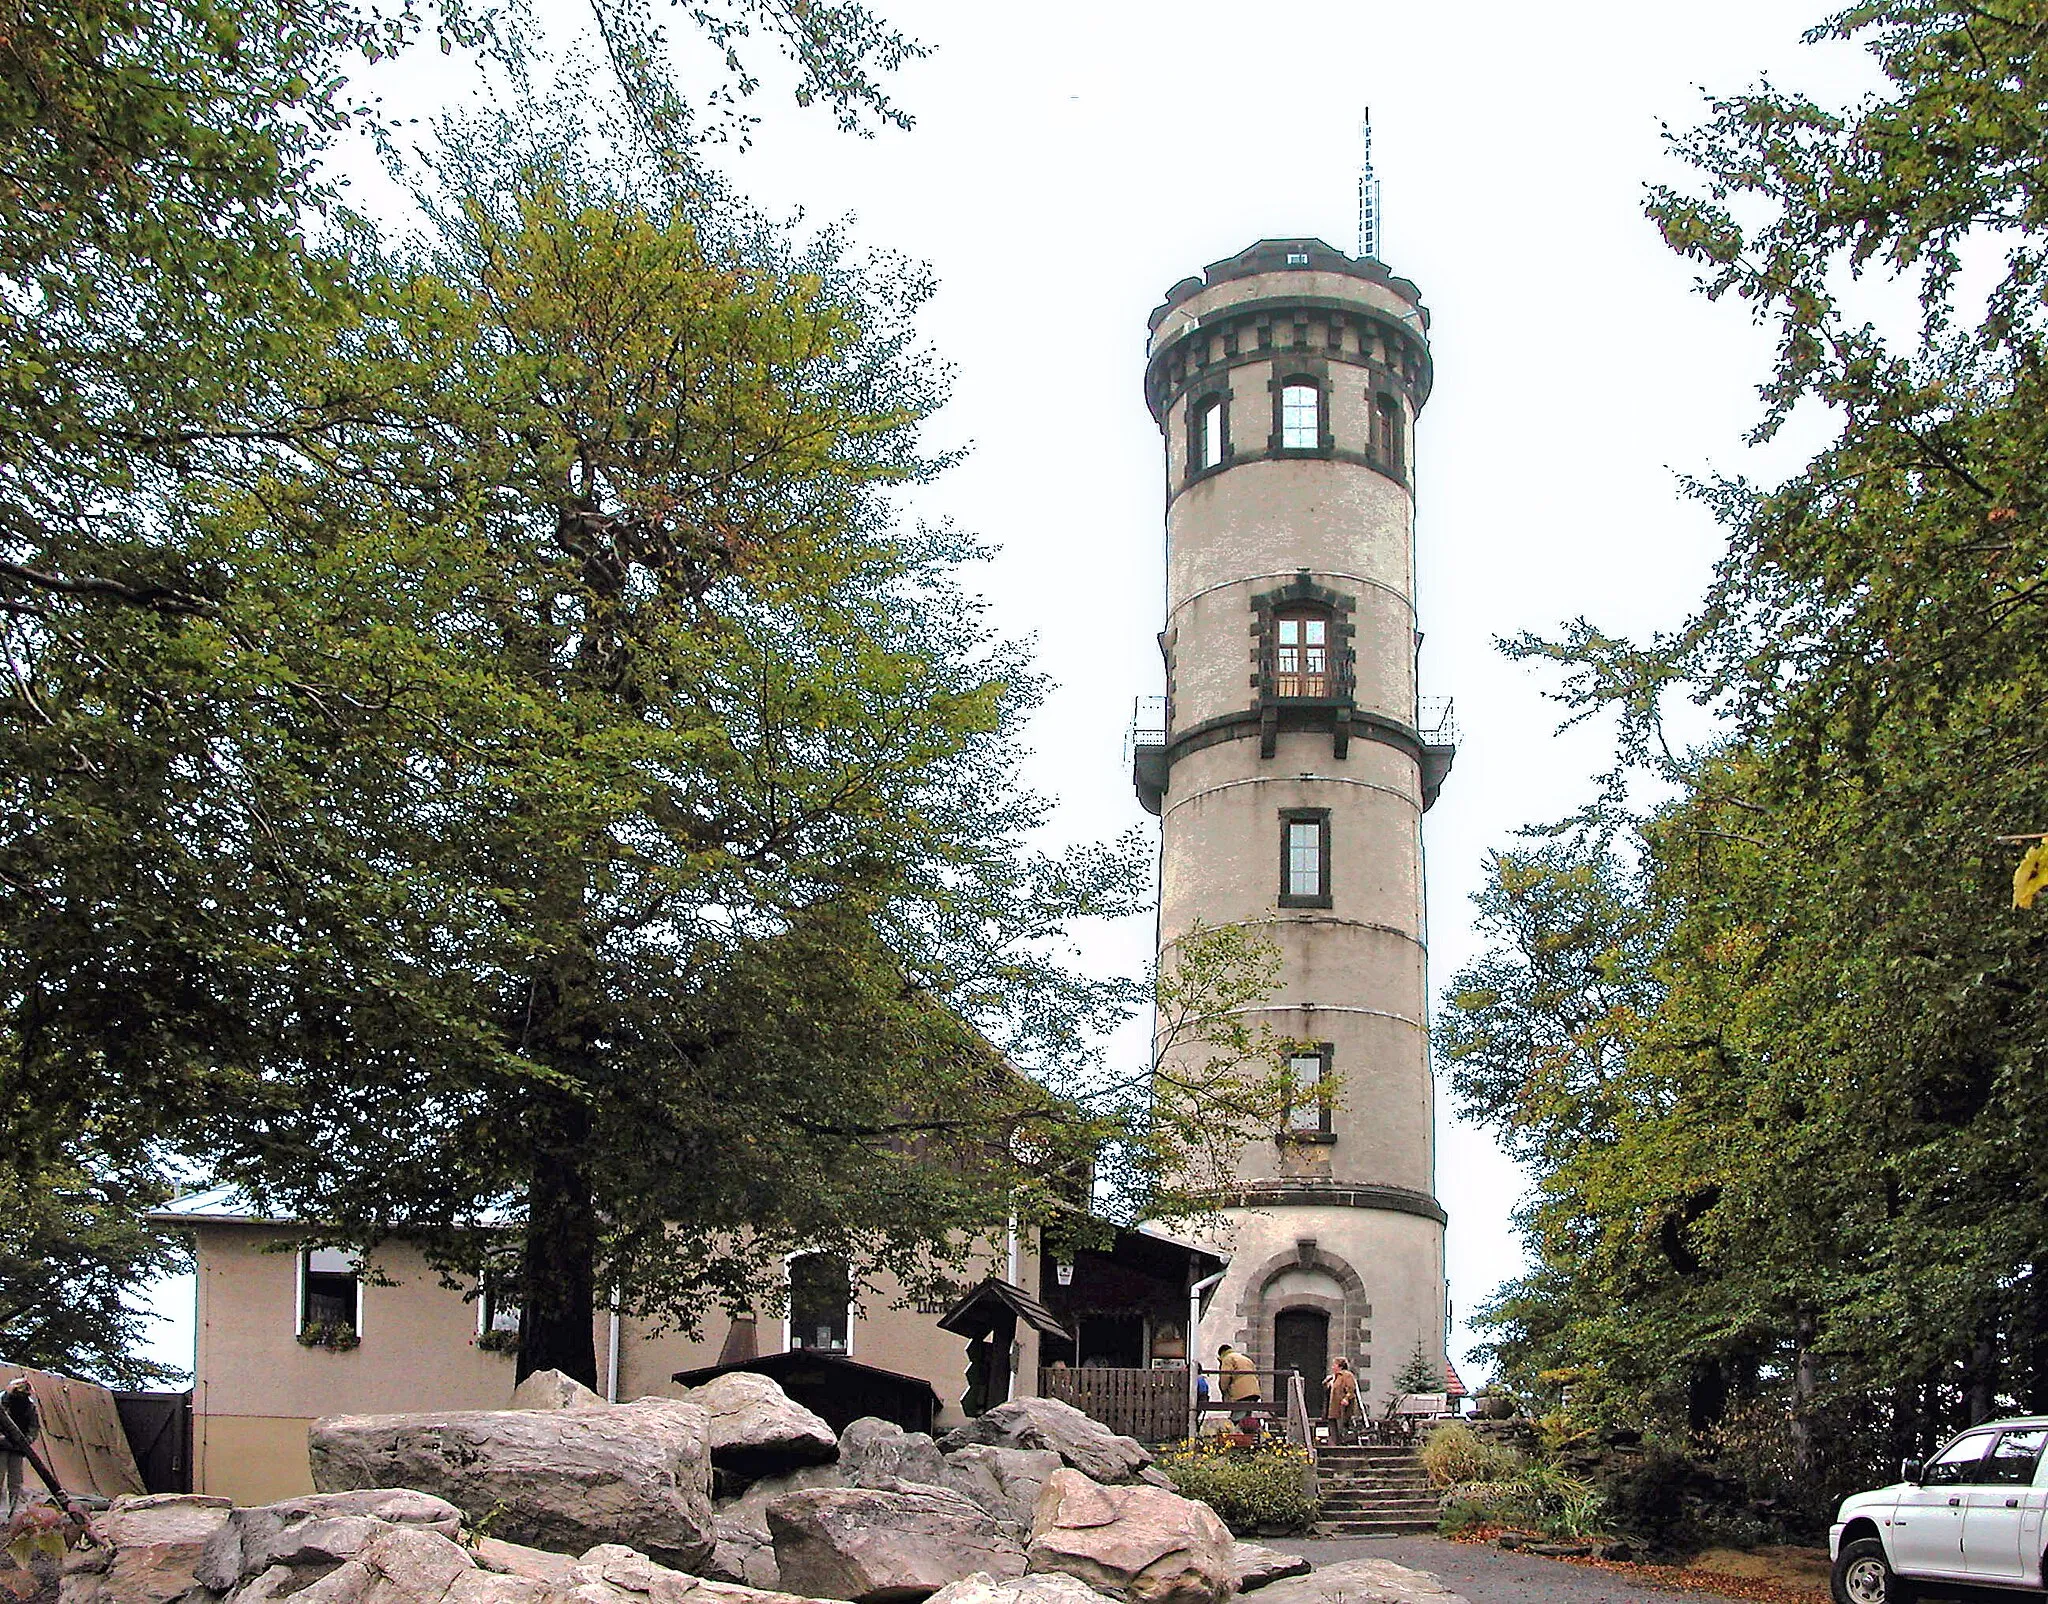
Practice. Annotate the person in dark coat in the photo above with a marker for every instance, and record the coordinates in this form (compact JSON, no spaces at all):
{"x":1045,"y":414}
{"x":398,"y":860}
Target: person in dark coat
{"x":18,"y":1403}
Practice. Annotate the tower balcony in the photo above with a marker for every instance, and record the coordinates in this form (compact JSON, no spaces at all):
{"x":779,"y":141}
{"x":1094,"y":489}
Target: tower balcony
{"x":1145,"y":751}
{"x":1436,"y":721}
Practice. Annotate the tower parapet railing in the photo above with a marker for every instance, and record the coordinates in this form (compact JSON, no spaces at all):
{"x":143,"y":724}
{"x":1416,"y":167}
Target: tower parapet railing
{"x":1436,"y":720}
{"x":1145,"y":751}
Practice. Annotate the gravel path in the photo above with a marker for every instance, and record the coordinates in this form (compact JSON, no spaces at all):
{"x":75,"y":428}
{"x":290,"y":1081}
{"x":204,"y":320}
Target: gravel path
{"x":1488,"y":1575}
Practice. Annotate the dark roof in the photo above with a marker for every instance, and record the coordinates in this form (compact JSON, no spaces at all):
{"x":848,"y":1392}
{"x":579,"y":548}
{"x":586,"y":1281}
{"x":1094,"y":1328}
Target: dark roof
{"x":777,"y":1365}
{"x":973,"y":1314}
{"x":836,"y":1387}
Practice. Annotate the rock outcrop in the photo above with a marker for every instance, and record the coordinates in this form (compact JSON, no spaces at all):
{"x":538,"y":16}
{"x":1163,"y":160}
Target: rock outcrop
{"x":1004,"y":1481}
{"x":148,"y":1549}
{"x":1050,"y":1588}
{"x":873,"y":1453}
{"x":319,"y":1528}
{"x":757,"y":1429}
{"x":1137,"y":1543}
{"x":1361,"y":1581}
{"x":1258,"y":1566}
{"x":745,"y":1552}
{"x":1046,"y":1423}
{"x":877,"y":1544}
{"x":552,"y":1389}
{"x":563,"y":1479}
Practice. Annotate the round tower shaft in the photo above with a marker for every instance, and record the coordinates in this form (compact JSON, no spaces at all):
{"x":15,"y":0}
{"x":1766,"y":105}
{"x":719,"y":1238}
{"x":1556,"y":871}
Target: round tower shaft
{"x":1292,"y":773}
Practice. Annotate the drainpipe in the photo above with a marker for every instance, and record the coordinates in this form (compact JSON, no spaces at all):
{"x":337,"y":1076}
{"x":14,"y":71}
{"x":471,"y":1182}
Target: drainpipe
{"x":611,"y":1371}
{"x":1194,"y":1348}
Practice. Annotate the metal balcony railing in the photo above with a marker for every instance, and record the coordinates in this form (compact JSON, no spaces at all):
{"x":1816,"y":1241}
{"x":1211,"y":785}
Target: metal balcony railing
{"x":1148,"y":725}
{"x":1436,"y":719}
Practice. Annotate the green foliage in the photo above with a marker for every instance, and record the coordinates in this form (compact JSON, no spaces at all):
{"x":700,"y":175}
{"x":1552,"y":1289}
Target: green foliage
{"x":1539,"y":1498}
{"x":1254,"y":1490}
{"x":333,"y":1335}
{"x":1454,"y":1452}
{"x":72,"y":1249}
{"x":1773,"y":1046}
{"x":1419,"y":1374}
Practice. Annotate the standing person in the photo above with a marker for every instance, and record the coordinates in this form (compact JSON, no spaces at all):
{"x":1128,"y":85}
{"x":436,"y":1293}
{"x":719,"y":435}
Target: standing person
{"x":18,"y":1403}
{"x":1240,"y":1380}
{"x":1340,"y":1398}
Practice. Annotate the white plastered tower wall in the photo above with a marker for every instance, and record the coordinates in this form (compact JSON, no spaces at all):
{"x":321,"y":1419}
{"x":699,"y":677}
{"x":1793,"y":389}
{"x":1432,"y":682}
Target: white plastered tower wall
{"x":1336,"y":1230}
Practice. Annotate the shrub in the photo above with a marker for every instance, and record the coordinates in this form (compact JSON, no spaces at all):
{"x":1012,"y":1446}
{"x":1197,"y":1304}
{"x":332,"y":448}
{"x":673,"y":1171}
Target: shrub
{"x":1254,"y":1490}
{"x":1456,"y":1453}
{"x":1538,"y":1498}
{"x":330,"y":1334}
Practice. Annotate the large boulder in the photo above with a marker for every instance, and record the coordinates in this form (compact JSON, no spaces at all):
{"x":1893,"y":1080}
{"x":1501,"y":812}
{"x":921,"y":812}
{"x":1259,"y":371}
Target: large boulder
{"x":317,"y":1528}
{"x":565,"y":1479}
{"x":875,"y":1544}
{"x":1361,"y":1581}
{"x":875,"y":1452}
{"x":757,"y":1429}
{"x":1138,"y":1543}
{"x":554,"y":1389}
{"x":1004,"y":1481}
{"x":1258,"y":1566}
{"x":1046,"y":1423}
{"x":745,"y":1551}
{"x":1053,"y":1587}
{"x":147,"y":1549}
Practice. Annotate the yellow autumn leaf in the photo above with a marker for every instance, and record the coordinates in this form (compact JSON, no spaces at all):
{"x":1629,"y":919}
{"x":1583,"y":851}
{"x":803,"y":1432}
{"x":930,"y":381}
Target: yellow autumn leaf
{"x":2030,"y":876}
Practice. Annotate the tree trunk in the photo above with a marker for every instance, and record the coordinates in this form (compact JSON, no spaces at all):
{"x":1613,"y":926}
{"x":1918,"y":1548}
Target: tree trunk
{"x":1805,"y":1384}
{"x":1706,"y":1396}
{"x":1982,"y":1382}
{"x":558,"y":1304}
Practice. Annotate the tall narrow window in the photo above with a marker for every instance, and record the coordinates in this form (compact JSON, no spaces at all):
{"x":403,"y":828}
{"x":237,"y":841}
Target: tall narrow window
{"x":1301,"y":423}
{"x":1309,"y":1115}
{"x":1209,"y":433}
{"x":1305,"y":858}
{"x":1386,"y":433}
{"x":1301,"y":655}
{"x":328,"y":1293}
{"x":820,"y":1299}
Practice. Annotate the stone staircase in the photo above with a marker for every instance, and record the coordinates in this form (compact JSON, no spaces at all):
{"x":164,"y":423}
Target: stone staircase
{"x":1373,"y":1491}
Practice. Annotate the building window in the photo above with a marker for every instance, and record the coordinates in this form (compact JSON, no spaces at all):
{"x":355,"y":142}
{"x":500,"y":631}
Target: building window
{"x":1305,"y":858}
{"x":1386,"y":433}
{"x":1309,"y":1114}
{"x":330,"y":1294}
{"x":1301,"y":416}
{"x":497,"y":1305}
{"x":820,"y":1303}
{"x":1209,"y":433}
{"x":1301,"y":654}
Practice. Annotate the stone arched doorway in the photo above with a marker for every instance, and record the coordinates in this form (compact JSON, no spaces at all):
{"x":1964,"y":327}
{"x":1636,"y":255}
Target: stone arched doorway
{"x":1322,"y":1296}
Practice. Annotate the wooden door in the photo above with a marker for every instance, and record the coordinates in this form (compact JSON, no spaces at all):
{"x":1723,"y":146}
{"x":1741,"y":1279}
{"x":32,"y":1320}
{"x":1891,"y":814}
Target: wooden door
{"x":1301,"y":1341}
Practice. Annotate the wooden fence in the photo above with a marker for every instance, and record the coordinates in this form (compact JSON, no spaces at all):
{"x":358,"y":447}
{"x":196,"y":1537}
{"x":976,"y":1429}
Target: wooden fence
{"x":1150,"y":1405}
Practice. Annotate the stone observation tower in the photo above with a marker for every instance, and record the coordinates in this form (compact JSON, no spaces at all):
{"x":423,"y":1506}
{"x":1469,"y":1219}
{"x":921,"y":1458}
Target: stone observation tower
{"x":1290,"y":767}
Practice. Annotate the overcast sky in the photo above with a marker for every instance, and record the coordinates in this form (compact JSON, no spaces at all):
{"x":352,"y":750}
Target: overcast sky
{"x":1071,"y":160}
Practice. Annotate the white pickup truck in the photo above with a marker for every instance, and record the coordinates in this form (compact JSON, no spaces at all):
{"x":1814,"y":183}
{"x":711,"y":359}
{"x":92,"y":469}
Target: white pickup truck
{"x":1971,"y":1515}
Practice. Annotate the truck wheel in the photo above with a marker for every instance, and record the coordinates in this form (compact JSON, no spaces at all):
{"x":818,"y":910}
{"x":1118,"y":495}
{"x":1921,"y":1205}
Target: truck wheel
{"x":1864,"y":1576}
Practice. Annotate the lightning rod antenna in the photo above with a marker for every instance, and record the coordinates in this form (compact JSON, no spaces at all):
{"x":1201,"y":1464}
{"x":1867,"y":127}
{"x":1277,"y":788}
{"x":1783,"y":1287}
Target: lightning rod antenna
{"x":1368,"y":197}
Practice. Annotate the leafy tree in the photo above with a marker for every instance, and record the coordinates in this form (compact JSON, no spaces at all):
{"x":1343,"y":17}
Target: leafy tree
{"x":1800,"y":1173}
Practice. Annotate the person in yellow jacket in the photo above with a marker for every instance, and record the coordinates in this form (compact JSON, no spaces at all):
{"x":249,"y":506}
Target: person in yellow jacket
{"x":1240,"y":1380}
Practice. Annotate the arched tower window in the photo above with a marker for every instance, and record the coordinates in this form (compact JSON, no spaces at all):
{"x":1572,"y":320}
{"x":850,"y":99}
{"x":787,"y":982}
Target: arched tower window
{"x":1301,"y":416}
{"x":1301,"y":653}
{"x":1208,"y":433}
{"x":1386,"y":433}
{"x":820,"y":1303}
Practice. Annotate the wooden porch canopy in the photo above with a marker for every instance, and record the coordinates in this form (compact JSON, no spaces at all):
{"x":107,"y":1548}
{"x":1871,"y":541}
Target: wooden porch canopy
{"x":836,"y":1387}
{"x":995,"y":1305}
